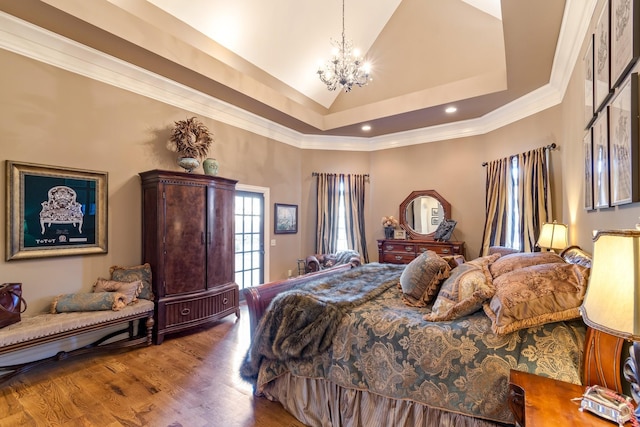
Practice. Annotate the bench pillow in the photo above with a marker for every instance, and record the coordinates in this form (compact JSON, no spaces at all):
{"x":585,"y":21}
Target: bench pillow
{"x":130,"y":289}
{"x":88,"y":301}
{"x":131,"y":274}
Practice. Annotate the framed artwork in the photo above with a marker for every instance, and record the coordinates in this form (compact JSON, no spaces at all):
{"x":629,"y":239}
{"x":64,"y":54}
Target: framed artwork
{"x":400,"y":234}
{"x":588,"y":83}
{"x":286,"y":219}
{"x":434,"y":211}
{"x":625,"y":38}
{"x":55,"y":211}
{"x":587,"y":148}
{"x":601,"y":161}
{"x":601,"y":60}
{"x":435,"y":220}
{"x":623,"y":143}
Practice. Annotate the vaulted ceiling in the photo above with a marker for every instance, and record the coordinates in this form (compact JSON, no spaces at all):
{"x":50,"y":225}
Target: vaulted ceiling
{"x":493,"y":61}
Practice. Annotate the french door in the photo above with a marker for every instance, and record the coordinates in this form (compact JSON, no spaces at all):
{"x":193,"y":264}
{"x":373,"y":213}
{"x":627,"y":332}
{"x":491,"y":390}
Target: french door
{"x":249,"y":239}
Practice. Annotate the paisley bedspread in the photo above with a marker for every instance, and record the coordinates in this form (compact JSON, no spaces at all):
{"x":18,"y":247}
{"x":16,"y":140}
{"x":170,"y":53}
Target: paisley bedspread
{"x":460,"y":366}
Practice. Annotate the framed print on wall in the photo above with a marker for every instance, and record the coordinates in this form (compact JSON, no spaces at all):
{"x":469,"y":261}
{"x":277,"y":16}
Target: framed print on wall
{"x":625,"y":38}
{"x":587,"y":148}
{"x":55,"y":211}
{"x":286,"y":219}
{"x":623,"y":143}
{"x":601,"y":161}
{"x":601,"y":60}
{"x":588,"y":83}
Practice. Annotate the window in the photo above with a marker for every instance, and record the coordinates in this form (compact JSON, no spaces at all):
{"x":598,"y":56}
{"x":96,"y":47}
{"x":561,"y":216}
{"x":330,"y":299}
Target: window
{"x":342,"y":244}
{"x":513,"y":219}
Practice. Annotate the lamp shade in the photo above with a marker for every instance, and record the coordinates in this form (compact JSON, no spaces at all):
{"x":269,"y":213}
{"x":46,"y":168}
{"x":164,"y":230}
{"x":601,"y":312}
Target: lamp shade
{"x":553,"y":236}
{"x":612,"y":301}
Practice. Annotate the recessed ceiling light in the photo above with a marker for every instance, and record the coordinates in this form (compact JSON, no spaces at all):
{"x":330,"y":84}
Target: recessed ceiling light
{"x":366,"y":128}
{"x":450,"y":110}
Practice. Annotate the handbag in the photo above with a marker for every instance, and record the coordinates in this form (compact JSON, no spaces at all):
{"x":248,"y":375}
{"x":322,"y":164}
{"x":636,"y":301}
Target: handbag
{"x":10,"y":303}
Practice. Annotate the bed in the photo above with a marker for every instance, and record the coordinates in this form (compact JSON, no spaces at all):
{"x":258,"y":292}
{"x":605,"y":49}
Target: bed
{"x":354,"y":347}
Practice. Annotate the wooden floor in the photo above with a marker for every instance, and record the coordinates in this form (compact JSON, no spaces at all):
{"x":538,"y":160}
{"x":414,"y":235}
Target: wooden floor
{"x":190,"y":380}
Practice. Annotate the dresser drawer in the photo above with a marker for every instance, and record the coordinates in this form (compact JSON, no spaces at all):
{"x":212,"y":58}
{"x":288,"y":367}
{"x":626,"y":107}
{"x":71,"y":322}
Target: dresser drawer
{"x":440,"y":249}
{"x":397,"y":258}
{"x":399,"y":247}
{"x":191,"y":310}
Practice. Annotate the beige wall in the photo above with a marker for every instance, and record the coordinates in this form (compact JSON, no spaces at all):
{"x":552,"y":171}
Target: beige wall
{"x":52,"y":117}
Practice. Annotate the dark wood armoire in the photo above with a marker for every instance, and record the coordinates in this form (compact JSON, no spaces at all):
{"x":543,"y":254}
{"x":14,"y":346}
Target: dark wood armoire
{"x":188,"y":239}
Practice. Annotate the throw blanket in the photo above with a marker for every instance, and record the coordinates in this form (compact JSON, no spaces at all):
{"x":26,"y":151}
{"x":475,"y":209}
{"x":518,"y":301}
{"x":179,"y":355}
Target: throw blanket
{"x":301,"y":323}
{"x":88,"y":302}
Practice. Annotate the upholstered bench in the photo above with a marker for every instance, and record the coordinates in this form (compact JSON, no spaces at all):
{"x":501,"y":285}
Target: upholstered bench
{"x":46,"y":328}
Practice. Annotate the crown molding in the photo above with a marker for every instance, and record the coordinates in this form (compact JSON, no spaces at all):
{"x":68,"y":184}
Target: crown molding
{"x":31,"y":41}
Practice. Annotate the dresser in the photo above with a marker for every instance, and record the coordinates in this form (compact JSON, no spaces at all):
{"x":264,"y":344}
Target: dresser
{"x":188,"y":239}
{"x":404,"y":251}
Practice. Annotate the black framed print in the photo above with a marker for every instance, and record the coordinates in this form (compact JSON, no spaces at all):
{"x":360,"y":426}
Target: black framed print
{"x":625,"y":38}
{"x":55,"y":211}
{"x":587,"y":148}
{"x":286,"y":219}
{"x":601,"y":161}
{"x":588,"y":83}
{"x":601,"y":59}
{"x":623,"y":143}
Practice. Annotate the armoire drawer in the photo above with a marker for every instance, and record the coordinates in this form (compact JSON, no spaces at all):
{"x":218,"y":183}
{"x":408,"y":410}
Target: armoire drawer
{"x":190,"y":310}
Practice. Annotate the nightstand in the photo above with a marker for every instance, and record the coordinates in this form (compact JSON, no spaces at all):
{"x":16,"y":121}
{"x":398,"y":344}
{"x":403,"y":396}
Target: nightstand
{"x":540,"y":401}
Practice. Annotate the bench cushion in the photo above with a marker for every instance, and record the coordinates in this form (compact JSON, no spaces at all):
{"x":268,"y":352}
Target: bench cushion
{"x":44,"y":325}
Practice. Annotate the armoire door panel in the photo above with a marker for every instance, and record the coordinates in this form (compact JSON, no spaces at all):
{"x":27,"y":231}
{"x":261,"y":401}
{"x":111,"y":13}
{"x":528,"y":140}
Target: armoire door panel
{"x":185,"y":238}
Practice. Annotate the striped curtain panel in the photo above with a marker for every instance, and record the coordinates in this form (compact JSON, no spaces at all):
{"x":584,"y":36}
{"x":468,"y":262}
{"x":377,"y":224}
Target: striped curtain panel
{"x":532,"y":203}
{"x":535,"y":195}
{"x":354,"y":213}
{"x":327,"y":213}
{"x":498,"y":186}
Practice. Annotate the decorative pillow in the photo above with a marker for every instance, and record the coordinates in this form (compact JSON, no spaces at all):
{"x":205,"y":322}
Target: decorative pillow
{"x":130,"y":289}
{"x":421,"y":278}
{"x":453,"y":260}
{"x":462,"y":293}
{"x":131,"y":274}
{"x":511,"y":262}
{"x":88,"y":301}
{"x":484,"y":260}
{"x":535,"y":295}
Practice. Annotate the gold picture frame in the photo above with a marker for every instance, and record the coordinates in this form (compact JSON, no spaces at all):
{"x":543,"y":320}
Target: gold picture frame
{"x":54,"y":211}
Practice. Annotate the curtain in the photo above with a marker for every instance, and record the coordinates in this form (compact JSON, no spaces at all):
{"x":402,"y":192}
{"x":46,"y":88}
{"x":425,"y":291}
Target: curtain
{"x":497,"y":196}
{"x":535,"y":195}
{"x":328,"y":214}
{"x":354,"y":214}
{"x":522,"y":212}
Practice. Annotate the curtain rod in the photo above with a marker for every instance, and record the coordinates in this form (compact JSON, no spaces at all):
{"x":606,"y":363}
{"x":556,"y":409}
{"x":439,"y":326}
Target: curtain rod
{"x":318,"y":173}
{"x":551,"y":146}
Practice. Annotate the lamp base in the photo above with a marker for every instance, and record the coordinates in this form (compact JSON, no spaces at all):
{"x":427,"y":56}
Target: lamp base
{"x":630,"y":372}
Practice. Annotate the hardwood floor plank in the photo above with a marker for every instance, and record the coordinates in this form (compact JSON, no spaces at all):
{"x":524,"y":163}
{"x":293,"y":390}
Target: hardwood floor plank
{"x":190,"y":380}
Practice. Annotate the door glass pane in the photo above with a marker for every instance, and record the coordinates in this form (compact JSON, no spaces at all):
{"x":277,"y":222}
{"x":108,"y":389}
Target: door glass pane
{"x":249,"y":263}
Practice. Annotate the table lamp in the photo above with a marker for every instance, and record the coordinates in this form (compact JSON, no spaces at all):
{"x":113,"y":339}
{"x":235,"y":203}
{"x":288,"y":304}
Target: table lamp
{"x":553,"y":236}
{"x":612,"y":301}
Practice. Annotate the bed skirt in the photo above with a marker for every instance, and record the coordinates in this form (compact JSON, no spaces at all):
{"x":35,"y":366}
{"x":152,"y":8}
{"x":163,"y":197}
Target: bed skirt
{"x":321,"y":403}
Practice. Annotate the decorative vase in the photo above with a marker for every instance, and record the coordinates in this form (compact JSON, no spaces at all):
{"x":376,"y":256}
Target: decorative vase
{"x":210,"y":166}
{"x":188,"y":163}
{"x":388,"y":232}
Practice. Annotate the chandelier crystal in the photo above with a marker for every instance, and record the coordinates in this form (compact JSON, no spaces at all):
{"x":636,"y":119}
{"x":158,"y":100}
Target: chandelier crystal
{"x":346,"y":68}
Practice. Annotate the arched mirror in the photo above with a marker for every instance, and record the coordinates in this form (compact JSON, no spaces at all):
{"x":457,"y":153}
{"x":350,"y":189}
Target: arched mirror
{"x":422,"y":212}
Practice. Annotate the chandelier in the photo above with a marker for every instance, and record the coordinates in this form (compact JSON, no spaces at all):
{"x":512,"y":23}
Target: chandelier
{"x":346,"y":68}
